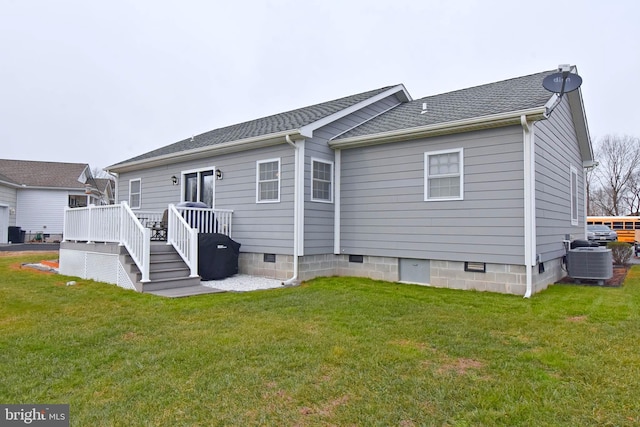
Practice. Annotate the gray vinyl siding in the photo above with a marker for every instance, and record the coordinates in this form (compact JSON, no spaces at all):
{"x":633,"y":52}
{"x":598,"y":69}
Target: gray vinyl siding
{"x":319,"y":216}
{"x":556,"y":151}
{"x":384,"y":212}
{"x":258,"y":227}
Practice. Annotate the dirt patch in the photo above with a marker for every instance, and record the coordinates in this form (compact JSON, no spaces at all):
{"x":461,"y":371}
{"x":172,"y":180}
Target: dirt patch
{"x":461,"y":366}
{"x":617,"y":280}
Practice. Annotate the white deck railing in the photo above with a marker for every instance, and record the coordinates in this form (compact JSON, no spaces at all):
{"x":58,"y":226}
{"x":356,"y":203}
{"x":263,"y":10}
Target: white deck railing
{"x":119,"y":224}
{"x":111,"y":223}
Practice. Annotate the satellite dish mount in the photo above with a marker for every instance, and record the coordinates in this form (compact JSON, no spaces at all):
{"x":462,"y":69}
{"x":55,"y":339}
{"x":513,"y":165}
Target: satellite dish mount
{"x":560,"y":83}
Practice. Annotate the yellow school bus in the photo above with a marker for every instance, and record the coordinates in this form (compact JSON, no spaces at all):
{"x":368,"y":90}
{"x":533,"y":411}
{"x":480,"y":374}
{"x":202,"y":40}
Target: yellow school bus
{"x":627,"y":227}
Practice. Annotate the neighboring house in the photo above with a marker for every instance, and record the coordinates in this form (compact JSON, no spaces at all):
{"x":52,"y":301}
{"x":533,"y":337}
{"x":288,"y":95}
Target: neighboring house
{"x":106,"y":189}
{"x":471,"y":189}
{"x":33,"y":196}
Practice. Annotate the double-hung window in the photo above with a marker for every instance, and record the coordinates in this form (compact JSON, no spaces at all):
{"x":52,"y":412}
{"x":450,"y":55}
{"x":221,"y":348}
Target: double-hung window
{"x":268,"y":181}
{"x":443,"y":175}
{"x":135,"y":193}
{"x":321,"y":181}
{"x":573,"y":174}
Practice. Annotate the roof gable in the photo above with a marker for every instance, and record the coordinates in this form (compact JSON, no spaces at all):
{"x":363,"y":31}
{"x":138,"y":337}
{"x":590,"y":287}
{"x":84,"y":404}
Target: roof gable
{"x":30,"y":173}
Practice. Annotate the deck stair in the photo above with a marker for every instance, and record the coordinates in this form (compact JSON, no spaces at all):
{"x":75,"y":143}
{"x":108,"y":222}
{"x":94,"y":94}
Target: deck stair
{"x":169,"y":275}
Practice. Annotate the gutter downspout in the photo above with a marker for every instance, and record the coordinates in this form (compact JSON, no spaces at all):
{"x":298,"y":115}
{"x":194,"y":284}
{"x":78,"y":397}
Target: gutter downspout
{"x":336,"y":201}
{"x":298,"y":207}
{"x":529,"y":203}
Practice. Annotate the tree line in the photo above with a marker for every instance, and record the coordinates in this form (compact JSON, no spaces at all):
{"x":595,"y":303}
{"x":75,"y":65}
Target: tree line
{"x":613,"y":186}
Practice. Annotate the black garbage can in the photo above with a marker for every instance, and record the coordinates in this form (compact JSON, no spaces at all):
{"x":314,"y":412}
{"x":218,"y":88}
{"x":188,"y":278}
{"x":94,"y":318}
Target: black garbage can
{"x":217,"y":256}
{"x":16,"y":235}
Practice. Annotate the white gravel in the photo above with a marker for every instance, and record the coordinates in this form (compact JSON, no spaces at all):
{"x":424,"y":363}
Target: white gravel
{"x":243,"y":283}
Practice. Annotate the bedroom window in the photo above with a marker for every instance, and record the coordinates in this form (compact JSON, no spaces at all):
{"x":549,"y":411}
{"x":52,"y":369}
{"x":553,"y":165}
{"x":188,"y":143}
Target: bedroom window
{"x":198,"y":186}
{"x":443,"y":178}
{"x":321,"y":181}
{"x":268,"y":181}
{"x":135,"y":193}
{"x":573,"y":173}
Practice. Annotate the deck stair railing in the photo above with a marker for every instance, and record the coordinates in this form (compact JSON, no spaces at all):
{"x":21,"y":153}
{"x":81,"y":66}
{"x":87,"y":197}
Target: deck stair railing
{"x":184,"y":239}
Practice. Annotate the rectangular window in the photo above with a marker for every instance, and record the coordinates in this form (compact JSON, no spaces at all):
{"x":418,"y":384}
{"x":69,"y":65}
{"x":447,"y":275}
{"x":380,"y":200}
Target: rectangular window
{"x":321,"y":181}
{"x":574,"y":195}
{"x":135,"y":193}
{"x":198,"y":186}
{"x":443,"y":175}
{"x":268,"y":181}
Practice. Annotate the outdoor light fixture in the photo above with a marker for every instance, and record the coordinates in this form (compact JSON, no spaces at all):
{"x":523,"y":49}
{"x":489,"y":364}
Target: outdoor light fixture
{"x":218,"y":174}
{"x":174,"y":180}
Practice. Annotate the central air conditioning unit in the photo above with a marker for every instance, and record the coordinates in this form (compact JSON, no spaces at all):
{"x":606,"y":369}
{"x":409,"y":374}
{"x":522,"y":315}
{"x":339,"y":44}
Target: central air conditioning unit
{"x":590,"y":263}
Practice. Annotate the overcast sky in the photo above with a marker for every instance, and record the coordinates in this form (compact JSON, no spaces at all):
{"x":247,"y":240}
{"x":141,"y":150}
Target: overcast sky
{"x":102,"y":81}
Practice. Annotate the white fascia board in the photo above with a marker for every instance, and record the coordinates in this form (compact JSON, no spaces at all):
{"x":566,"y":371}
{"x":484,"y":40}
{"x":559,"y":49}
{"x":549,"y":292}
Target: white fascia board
{"x":307,"y":131}
{"x":217,"y":149}
{"x":576,"y":107}
{"x":457,"y":126}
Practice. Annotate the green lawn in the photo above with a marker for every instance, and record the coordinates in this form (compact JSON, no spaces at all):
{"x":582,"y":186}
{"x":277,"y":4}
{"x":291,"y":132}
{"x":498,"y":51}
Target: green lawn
{"x":334,"y":351}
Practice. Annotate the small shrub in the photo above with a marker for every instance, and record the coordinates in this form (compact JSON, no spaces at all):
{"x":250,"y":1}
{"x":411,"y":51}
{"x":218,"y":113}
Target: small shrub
{"x":621,"y":252}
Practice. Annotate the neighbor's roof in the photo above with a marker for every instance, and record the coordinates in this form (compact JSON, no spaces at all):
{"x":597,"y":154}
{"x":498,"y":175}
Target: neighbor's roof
{"x":42,"y":174}
{"x":289,"y":120}
{"x":521,"y":93}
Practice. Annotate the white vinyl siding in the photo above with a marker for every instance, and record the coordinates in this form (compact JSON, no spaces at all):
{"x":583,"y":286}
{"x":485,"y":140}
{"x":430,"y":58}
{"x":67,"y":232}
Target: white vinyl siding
{"x":573,"y":173}
{"x":443,"y":175}
{"x":268,"y":181}
{"x":135,"y":193}
{"x":321,"y":181}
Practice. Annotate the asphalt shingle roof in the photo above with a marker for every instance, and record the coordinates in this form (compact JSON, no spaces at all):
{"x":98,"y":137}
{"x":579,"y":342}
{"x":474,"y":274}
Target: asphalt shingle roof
{"x":281,"y":122}
{"x":500,"y":97}
{"x":42,"y":174}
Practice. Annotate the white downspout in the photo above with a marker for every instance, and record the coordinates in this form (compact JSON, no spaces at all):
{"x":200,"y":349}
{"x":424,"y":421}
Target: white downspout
{"x":298,"y":207}
{"x":336,"y":202}
{"x":529,"y":203}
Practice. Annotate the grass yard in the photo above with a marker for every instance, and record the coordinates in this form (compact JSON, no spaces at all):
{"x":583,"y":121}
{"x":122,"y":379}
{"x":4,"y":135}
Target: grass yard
{"x":334,"y":351}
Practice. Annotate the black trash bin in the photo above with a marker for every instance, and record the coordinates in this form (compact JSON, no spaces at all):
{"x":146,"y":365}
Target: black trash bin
{"x":217,"y":256}
{"x":16,"y":235}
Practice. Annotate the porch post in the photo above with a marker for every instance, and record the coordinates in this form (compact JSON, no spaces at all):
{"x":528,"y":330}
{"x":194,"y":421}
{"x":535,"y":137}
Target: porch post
{"x":193,"y":252}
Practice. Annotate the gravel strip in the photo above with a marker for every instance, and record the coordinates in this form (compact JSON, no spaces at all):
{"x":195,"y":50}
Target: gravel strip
{"x":243,"y":283}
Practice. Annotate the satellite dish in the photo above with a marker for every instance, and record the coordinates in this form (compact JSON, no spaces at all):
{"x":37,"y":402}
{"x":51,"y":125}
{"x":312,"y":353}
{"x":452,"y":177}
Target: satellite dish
{"x":562,"y":82}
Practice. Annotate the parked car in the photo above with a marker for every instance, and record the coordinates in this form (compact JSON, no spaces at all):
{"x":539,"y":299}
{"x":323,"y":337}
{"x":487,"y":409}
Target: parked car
{"x":601,"y":234}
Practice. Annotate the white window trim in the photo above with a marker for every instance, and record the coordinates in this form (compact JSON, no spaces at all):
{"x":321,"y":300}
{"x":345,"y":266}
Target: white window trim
{"x":326,"y":162}
{"x":460,"y":152}
{"x":139,"y":194}
{"x":183,"y":174}
{"x":574,"y":214}
{"x":258,"y":163}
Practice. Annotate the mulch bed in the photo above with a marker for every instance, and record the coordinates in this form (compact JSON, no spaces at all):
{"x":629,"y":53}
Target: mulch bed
{"x":619,"y":274}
